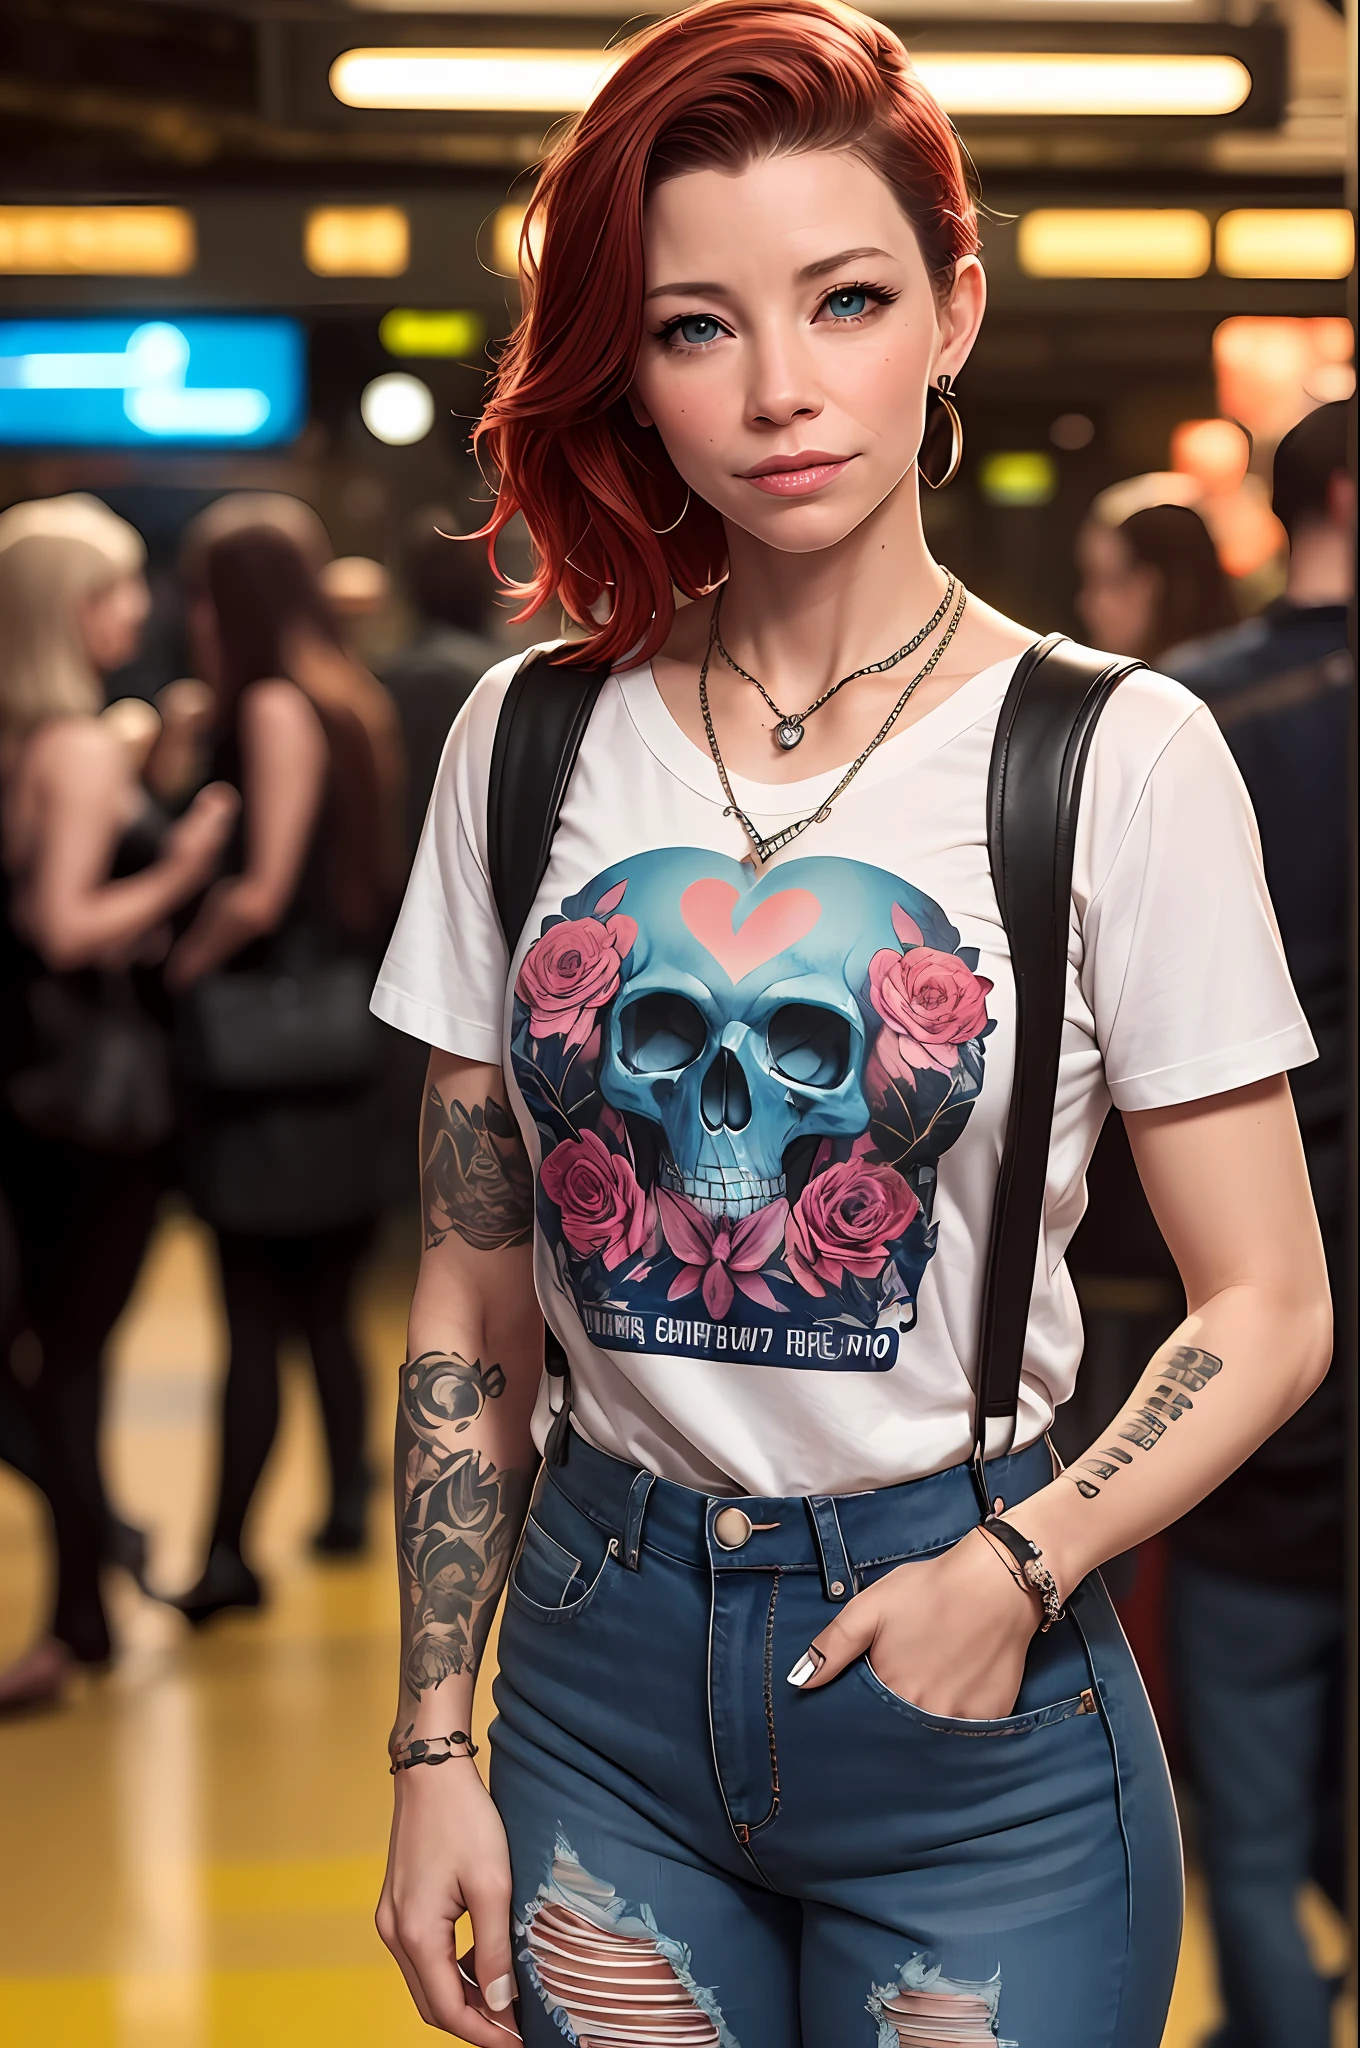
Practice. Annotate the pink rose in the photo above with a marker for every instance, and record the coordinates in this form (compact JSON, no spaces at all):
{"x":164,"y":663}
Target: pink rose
{"x":719,"y":1256}
{"x":845,"y":1220}
{"x":603,"y":1208}
{"x":570,"y":973}
{"x":931,"y":1002}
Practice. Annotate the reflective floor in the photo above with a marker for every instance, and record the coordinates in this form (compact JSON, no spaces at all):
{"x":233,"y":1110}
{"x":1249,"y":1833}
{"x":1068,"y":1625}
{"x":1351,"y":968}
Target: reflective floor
{"x":192,"y":1850}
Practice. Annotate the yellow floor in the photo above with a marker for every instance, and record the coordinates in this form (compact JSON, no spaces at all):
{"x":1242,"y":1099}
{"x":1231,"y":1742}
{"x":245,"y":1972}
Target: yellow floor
{"x":192,"y":1850}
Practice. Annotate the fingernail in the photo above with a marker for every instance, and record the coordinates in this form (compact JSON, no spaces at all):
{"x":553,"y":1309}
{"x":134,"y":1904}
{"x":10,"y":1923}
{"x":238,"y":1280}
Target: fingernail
{"x":501,"y":1993}
{"x":808,"y":1665}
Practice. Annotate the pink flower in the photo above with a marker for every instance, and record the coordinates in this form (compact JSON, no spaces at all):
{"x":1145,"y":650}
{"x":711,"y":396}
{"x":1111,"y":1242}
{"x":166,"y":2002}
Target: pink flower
{"x":571,"y":973}
{"x":845,"y":1220}
{"x":719,"y":1256}
{"x":931,"y":1003}
{"x":603,"y":1208}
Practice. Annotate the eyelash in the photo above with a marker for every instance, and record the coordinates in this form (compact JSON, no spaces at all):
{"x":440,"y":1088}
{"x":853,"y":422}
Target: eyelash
{"x":880,"y":294}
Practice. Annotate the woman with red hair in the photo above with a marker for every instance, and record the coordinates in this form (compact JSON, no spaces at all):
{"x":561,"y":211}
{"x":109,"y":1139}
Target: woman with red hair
{"x":799,"y":1739}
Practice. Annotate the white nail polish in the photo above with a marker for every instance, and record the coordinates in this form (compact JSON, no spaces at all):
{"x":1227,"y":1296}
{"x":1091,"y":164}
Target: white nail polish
{"x":803,"y":1670}
{"x":500,"y":1994}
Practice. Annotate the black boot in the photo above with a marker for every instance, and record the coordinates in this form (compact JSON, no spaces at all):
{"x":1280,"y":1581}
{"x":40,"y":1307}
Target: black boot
{"x":227,"y":1582}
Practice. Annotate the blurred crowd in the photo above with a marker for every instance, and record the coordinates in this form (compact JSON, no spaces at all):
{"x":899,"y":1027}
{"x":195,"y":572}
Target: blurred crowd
{"x":194,"y":893}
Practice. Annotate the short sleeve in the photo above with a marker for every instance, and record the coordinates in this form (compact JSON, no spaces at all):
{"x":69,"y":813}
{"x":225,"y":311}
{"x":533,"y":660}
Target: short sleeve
{"x":443,"y":979}
{"x":1183,"y":966}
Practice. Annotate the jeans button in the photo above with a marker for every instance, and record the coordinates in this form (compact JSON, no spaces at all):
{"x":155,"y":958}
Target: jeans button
{"x":731,"y":1527}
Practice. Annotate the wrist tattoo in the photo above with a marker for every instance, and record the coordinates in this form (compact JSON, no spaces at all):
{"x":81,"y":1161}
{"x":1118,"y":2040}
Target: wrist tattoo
{"x":475,"y":1176}
{"x":1188,"y":1371}
{"x":459,"y":1517}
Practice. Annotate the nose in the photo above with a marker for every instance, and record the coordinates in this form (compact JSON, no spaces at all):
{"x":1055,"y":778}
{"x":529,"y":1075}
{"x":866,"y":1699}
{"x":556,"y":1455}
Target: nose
{"x":782,"y":388}
{"x":724,"y":1098}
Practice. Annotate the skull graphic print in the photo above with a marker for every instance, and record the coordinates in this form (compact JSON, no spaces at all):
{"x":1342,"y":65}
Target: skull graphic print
{"x":742,"y":1090}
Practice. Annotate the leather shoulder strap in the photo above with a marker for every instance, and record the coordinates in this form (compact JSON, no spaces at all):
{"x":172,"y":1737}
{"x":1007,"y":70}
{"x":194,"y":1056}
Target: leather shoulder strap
{"x":1043,"y":736}
{"x":539,"y":732}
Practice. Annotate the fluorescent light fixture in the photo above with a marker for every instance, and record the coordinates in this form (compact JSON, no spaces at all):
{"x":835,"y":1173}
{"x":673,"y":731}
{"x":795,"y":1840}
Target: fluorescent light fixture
{"x":357,"y":241}
{"x":96,"y":241}
{"x":1113,"y":241}
{"x":1018,"y":476}
{"x":967,"y":82}
{"x":406,"y":331}
{"x":397,"y":409}
{"x":1286,"y":241}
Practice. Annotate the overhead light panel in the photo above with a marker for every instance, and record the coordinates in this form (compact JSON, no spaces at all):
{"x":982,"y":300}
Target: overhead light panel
{"x":1286,"y":241}
{"x":357,"y":241}
{"x":96,"y":241}
{"x":1109,"y":241}
{"x":978,"y":83}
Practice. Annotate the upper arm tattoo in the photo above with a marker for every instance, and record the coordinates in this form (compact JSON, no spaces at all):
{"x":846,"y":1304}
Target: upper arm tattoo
{"x":1187,"y":1371}
{"x":460,"y":1517}
{"x":475,"y":1176}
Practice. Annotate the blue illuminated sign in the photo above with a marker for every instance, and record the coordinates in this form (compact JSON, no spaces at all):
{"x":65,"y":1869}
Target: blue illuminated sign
{"x":151,"y":383}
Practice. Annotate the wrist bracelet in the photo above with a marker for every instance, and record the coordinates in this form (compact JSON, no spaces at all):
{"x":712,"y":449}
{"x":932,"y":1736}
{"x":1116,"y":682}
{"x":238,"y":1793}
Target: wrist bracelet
{"x":431,"y":1749}
{"x":1029,"y":1557}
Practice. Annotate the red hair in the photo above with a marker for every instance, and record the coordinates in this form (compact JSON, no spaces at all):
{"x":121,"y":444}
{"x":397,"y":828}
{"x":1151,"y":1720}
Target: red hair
{"x":720,"y":86}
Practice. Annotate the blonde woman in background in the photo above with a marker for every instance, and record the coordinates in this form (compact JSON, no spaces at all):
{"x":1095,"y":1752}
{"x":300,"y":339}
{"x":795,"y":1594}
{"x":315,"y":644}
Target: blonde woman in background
{"x":90,"y":878}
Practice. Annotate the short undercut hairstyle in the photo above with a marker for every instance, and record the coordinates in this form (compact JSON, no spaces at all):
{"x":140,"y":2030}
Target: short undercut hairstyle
{"x":1305,"y":462}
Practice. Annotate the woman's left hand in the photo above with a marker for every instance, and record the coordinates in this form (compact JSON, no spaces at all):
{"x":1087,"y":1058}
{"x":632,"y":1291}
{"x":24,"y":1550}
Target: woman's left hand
{"x":949,"y":1634}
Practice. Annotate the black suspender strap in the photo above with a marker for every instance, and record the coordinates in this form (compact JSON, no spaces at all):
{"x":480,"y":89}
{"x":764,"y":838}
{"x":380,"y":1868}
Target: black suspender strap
{"x":1043,"y":735}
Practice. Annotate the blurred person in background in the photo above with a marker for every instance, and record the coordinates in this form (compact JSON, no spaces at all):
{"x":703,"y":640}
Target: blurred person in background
{"x":1258,"y":1568}
{"x":451,"y":588}
{"x":1150,"y":582}
{"x":273,"y":1025}
{"x":90,"y":878}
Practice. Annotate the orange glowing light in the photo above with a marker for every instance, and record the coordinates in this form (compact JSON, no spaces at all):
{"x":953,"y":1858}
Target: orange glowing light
{"x":1267,"y":367}
{"x":1217,"y":452}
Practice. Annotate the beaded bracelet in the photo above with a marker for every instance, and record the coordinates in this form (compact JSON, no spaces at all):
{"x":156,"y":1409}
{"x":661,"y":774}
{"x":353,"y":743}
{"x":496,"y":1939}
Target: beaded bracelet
{"x":432,"y":1749}
{"x":1029,"y":1557}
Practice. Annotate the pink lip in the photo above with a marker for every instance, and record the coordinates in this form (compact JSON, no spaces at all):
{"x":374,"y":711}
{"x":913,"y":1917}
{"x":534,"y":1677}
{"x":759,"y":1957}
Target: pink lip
{"x":797,"y":476}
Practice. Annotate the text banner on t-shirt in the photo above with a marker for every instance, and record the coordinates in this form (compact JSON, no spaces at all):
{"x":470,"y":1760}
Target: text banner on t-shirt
{"x":824,"y":1347}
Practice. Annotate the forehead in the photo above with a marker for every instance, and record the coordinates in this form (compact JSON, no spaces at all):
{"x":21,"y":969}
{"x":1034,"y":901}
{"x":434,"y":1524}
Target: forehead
{"x":775,"y":214}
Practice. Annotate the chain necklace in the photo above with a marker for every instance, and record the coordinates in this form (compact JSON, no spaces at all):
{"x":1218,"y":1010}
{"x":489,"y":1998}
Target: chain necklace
{"x":766,"y":849}
{"x":789,"y":731}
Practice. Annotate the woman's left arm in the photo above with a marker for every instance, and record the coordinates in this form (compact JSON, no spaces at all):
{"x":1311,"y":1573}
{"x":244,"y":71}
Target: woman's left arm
{"x":1228,"y":1185}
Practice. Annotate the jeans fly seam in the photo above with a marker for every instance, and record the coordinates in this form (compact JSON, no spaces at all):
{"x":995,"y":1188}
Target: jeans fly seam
{"x":769,"y":1706}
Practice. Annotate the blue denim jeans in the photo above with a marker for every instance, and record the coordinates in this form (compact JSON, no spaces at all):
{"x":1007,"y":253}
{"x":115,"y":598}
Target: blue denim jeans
{"x":703,"y":1855}
{"x":1257,"y":1670}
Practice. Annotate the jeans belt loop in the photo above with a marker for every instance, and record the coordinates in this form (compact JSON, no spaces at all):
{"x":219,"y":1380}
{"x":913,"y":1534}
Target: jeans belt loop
{"x":838,"y":1575}
{"x":638,"y":1495}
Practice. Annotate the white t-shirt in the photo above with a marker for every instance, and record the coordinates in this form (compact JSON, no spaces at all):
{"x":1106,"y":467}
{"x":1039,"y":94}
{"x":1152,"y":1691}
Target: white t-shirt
{"x":766,"y":1113}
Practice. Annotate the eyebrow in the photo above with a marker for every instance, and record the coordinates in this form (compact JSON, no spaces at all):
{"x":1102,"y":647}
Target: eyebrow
{"x":809,"y":271}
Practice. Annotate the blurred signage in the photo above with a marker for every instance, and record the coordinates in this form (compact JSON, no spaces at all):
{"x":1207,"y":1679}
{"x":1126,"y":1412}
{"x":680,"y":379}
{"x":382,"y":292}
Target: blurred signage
{"x":409,"y":331}
{"x":96,"y":241}
{"x":357,"y":241}
{"x":113,"y":383}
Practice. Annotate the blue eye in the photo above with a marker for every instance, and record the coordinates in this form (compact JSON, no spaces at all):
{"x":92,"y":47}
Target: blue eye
{"x":696,"y":329}
{"x":849,"y":304}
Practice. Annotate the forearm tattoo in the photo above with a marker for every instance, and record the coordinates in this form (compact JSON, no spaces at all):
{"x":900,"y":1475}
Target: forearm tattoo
{"x":475,"y":1176}
{"x":459,"y":1517}
{"x":1188,"y":1371}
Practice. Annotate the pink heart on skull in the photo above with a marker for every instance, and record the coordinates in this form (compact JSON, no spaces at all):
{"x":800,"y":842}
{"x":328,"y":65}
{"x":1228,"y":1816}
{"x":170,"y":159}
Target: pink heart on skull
{"x":773,"y":926}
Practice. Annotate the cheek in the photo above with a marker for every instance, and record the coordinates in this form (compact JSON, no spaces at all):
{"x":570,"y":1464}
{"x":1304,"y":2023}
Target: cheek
{"x":882,"y":385}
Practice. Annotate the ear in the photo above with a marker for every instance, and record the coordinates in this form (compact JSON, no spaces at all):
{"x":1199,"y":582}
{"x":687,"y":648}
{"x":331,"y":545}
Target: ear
{"x":637,"y":408}
{"x":960,"y":317}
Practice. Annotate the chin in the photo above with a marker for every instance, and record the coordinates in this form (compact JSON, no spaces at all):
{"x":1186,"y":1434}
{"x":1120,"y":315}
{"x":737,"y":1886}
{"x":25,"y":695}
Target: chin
{"x":806,"y":529}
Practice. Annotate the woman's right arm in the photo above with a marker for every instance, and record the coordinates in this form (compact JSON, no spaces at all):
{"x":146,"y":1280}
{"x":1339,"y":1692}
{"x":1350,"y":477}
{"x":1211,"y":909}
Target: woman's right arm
{"x":464,"y":1467}
{"x":78,"y":801}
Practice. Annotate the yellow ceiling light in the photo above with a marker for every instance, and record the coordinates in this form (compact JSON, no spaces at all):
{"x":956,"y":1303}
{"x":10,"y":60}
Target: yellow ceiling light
{"x":408,"y":331}
{"x":1018,"y":476}
{"x":472,"y":81}
{"x":967,"y":82}
{"x":1286,"y":241}
{"x":1108,"y":241}
{"x":97,"y":241}
{"x":357,"y":241}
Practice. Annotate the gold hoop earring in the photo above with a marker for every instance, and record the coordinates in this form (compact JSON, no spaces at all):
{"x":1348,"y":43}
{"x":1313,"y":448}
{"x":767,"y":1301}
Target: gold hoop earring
{"x":676,"y":521}
{"x":943,"y":397}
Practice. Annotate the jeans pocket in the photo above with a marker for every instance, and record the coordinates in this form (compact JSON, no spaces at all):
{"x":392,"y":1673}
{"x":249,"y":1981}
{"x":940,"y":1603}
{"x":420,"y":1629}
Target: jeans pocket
{"x":558,"y":1568}
{"x":1024,"y":1723}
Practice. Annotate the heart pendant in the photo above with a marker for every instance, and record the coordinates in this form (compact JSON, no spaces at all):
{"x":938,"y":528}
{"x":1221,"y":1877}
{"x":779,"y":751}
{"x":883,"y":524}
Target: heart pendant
{"x":789,"y":733}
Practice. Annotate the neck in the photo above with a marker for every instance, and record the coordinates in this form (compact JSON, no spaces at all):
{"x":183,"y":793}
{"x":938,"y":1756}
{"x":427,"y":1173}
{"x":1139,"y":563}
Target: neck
{"x":801,"y":621}
{"x":1321,"y":567}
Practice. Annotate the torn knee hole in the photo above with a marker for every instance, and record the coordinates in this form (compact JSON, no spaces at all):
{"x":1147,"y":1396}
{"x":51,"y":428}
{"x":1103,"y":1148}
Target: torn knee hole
{"x":925,"y":2009}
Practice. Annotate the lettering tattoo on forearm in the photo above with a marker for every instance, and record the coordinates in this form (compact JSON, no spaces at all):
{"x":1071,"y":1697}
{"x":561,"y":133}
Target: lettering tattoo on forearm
{"x":459,"y":1517}
{"x":1187,"y":1371}
{"x":475,"y":1176}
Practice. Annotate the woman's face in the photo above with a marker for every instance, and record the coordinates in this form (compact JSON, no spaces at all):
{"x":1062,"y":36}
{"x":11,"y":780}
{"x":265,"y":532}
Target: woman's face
{"x":791,"y":331}
{"x":1119,"y":597}
{"x":112,"y":620}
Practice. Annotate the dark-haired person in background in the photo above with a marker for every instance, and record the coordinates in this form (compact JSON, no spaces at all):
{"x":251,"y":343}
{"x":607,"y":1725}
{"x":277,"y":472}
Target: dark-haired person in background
{"x":1258,"y":1624}
{"x":1150,"y":582}
{"x":282,"y":1168}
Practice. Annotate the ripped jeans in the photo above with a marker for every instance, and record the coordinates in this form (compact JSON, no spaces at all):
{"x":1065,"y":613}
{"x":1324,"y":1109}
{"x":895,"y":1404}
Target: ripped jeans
{"x":706,"y":1857}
